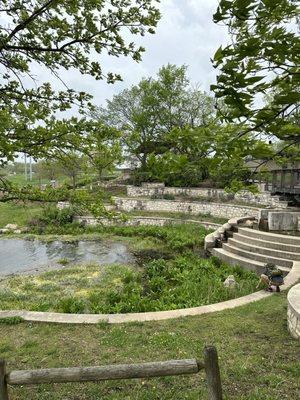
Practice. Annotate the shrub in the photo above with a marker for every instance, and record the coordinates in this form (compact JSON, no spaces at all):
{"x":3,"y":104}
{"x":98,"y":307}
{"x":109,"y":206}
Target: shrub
{"x":51,"y":215}
{"x":216,"y":261}
{"x":71,"y":305}
{"x":168,"y":196}
{"x":63,"y":261}
{"x":11,"y":320}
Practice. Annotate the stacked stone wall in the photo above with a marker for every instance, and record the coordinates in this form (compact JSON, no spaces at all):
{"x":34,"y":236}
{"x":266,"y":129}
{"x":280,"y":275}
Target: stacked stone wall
{"x":222,"y":210}
{"x":245,"y":196}
{"x":142,"y":221}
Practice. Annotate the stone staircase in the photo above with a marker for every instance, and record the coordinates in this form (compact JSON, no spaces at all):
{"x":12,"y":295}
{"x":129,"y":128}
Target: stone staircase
{"x":252,"y":249}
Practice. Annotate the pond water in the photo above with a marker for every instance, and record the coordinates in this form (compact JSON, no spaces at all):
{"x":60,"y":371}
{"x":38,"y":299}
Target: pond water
{"x":19,"y":255}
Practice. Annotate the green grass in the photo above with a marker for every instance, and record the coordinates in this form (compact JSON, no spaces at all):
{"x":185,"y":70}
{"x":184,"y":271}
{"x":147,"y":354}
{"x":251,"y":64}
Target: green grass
{"x":258,"y":358}
{"x":186,"y":281}
{"x":12,"y":213}
{"x":19,"y":179}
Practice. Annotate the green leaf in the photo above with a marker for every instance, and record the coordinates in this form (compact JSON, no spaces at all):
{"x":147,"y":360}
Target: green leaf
{"x":218,"y":54}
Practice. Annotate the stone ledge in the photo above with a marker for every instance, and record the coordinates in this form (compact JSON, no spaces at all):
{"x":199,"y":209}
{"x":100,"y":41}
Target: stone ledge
{"x":224,"y":210}
{"x":144,"y":221}
{"x":35,"y":316}
{"x":263,"y":198}
{"x":210,"y":239}
{"x":293,"y":314}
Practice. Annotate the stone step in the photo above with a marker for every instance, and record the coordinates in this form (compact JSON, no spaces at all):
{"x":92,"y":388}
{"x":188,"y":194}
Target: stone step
{"x":270,"y":237}
{"x":281,"y":262}
{"x":264,"y":250}
{"x":234,"y":259}
{"x":265,"y":243}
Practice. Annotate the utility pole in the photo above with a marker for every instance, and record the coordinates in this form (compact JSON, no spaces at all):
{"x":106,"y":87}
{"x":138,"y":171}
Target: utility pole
{"x":30,"y":168}
{"x":25,"y":159}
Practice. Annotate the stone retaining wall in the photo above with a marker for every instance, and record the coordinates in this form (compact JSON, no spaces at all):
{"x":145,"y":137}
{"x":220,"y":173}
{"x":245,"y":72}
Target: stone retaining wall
{"x":154,"y":190}
{"x":245,"y":196}
{"x":293,"y":313}
{"x":222,"y":210}
{"x":142,"y":221}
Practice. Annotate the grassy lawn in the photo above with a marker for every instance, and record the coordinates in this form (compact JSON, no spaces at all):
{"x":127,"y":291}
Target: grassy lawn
{"x":12,"y":213}
{"x":258,"y":358}
{"x":19,"y":179}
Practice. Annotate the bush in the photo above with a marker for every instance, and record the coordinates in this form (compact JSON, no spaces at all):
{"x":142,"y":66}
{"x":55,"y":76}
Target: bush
{"x":11,"y":320}
{"x":168,"y":196}
{"x":216,"y":261}
{"x":71,"y":305}
{"x":51,"y":215}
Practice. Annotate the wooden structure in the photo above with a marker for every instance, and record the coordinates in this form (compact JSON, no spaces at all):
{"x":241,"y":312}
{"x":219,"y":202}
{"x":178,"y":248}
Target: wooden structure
{"x":284,"y":181}
{"x":277,"y":179}
{"x":122,"y":371}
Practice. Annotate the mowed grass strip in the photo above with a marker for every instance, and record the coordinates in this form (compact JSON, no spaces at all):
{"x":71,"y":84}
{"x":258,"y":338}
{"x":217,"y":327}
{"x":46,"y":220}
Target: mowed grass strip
{"x":258,"y":358}
{"x":17,"y":213}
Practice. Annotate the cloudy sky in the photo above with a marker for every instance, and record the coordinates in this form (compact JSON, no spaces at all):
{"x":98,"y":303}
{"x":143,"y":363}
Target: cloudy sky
{"x":186,"y":34}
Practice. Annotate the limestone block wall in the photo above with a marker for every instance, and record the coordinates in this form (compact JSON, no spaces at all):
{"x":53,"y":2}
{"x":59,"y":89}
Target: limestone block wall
{"x":155,"y":190}
{"x":223,"y":210}
{"x":293,"y":313}
{"x":245,"y":196}
{"x":142,"y":221}
{"x":264,"y":198}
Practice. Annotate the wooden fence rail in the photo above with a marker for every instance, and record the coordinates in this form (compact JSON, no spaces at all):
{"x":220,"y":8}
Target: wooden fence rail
{"x":121,"y":371}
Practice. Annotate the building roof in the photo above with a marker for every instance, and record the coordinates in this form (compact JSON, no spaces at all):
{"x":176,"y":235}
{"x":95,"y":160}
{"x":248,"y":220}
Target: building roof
{"x":262,"y":165}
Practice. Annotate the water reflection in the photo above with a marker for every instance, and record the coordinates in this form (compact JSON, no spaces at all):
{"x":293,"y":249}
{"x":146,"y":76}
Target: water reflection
{"x":19,"y":255}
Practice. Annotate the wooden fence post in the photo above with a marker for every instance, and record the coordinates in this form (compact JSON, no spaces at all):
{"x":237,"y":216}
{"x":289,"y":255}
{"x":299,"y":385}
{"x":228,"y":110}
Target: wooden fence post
{"x":212,"y":373}
{"x":3,"y":384}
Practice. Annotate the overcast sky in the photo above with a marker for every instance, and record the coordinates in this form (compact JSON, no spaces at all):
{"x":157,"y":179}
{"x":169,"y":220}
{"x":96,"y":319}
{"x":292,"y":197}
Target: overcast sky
{"x":186,"y":34}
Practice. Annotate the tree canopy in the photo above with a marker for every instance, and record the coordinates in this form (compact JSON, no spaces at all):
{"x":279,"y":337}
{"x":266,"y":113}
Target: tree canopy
{"x":263,"y":59}
{"x":55,"y":35}
{"x":146,"y":113}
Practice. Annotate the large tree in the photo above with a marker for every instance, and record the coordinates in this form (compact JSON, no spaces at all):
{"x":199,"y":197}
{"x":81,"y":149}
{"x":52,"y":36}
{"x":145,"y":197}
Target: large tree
{"x":103,"y":150}
{"x":207,"y":155}
{"x":263,"y":59}
{"x":54,"y":35}
{"x":51,"y":36}
{"x":147,"y":113}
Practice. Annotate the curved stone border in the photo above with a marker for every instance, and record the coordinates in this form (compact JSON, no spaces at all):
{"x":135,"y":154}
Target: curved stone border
{"x":211,"y":238}
{"x":293,"y":313}
{"x":34,"y":316}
